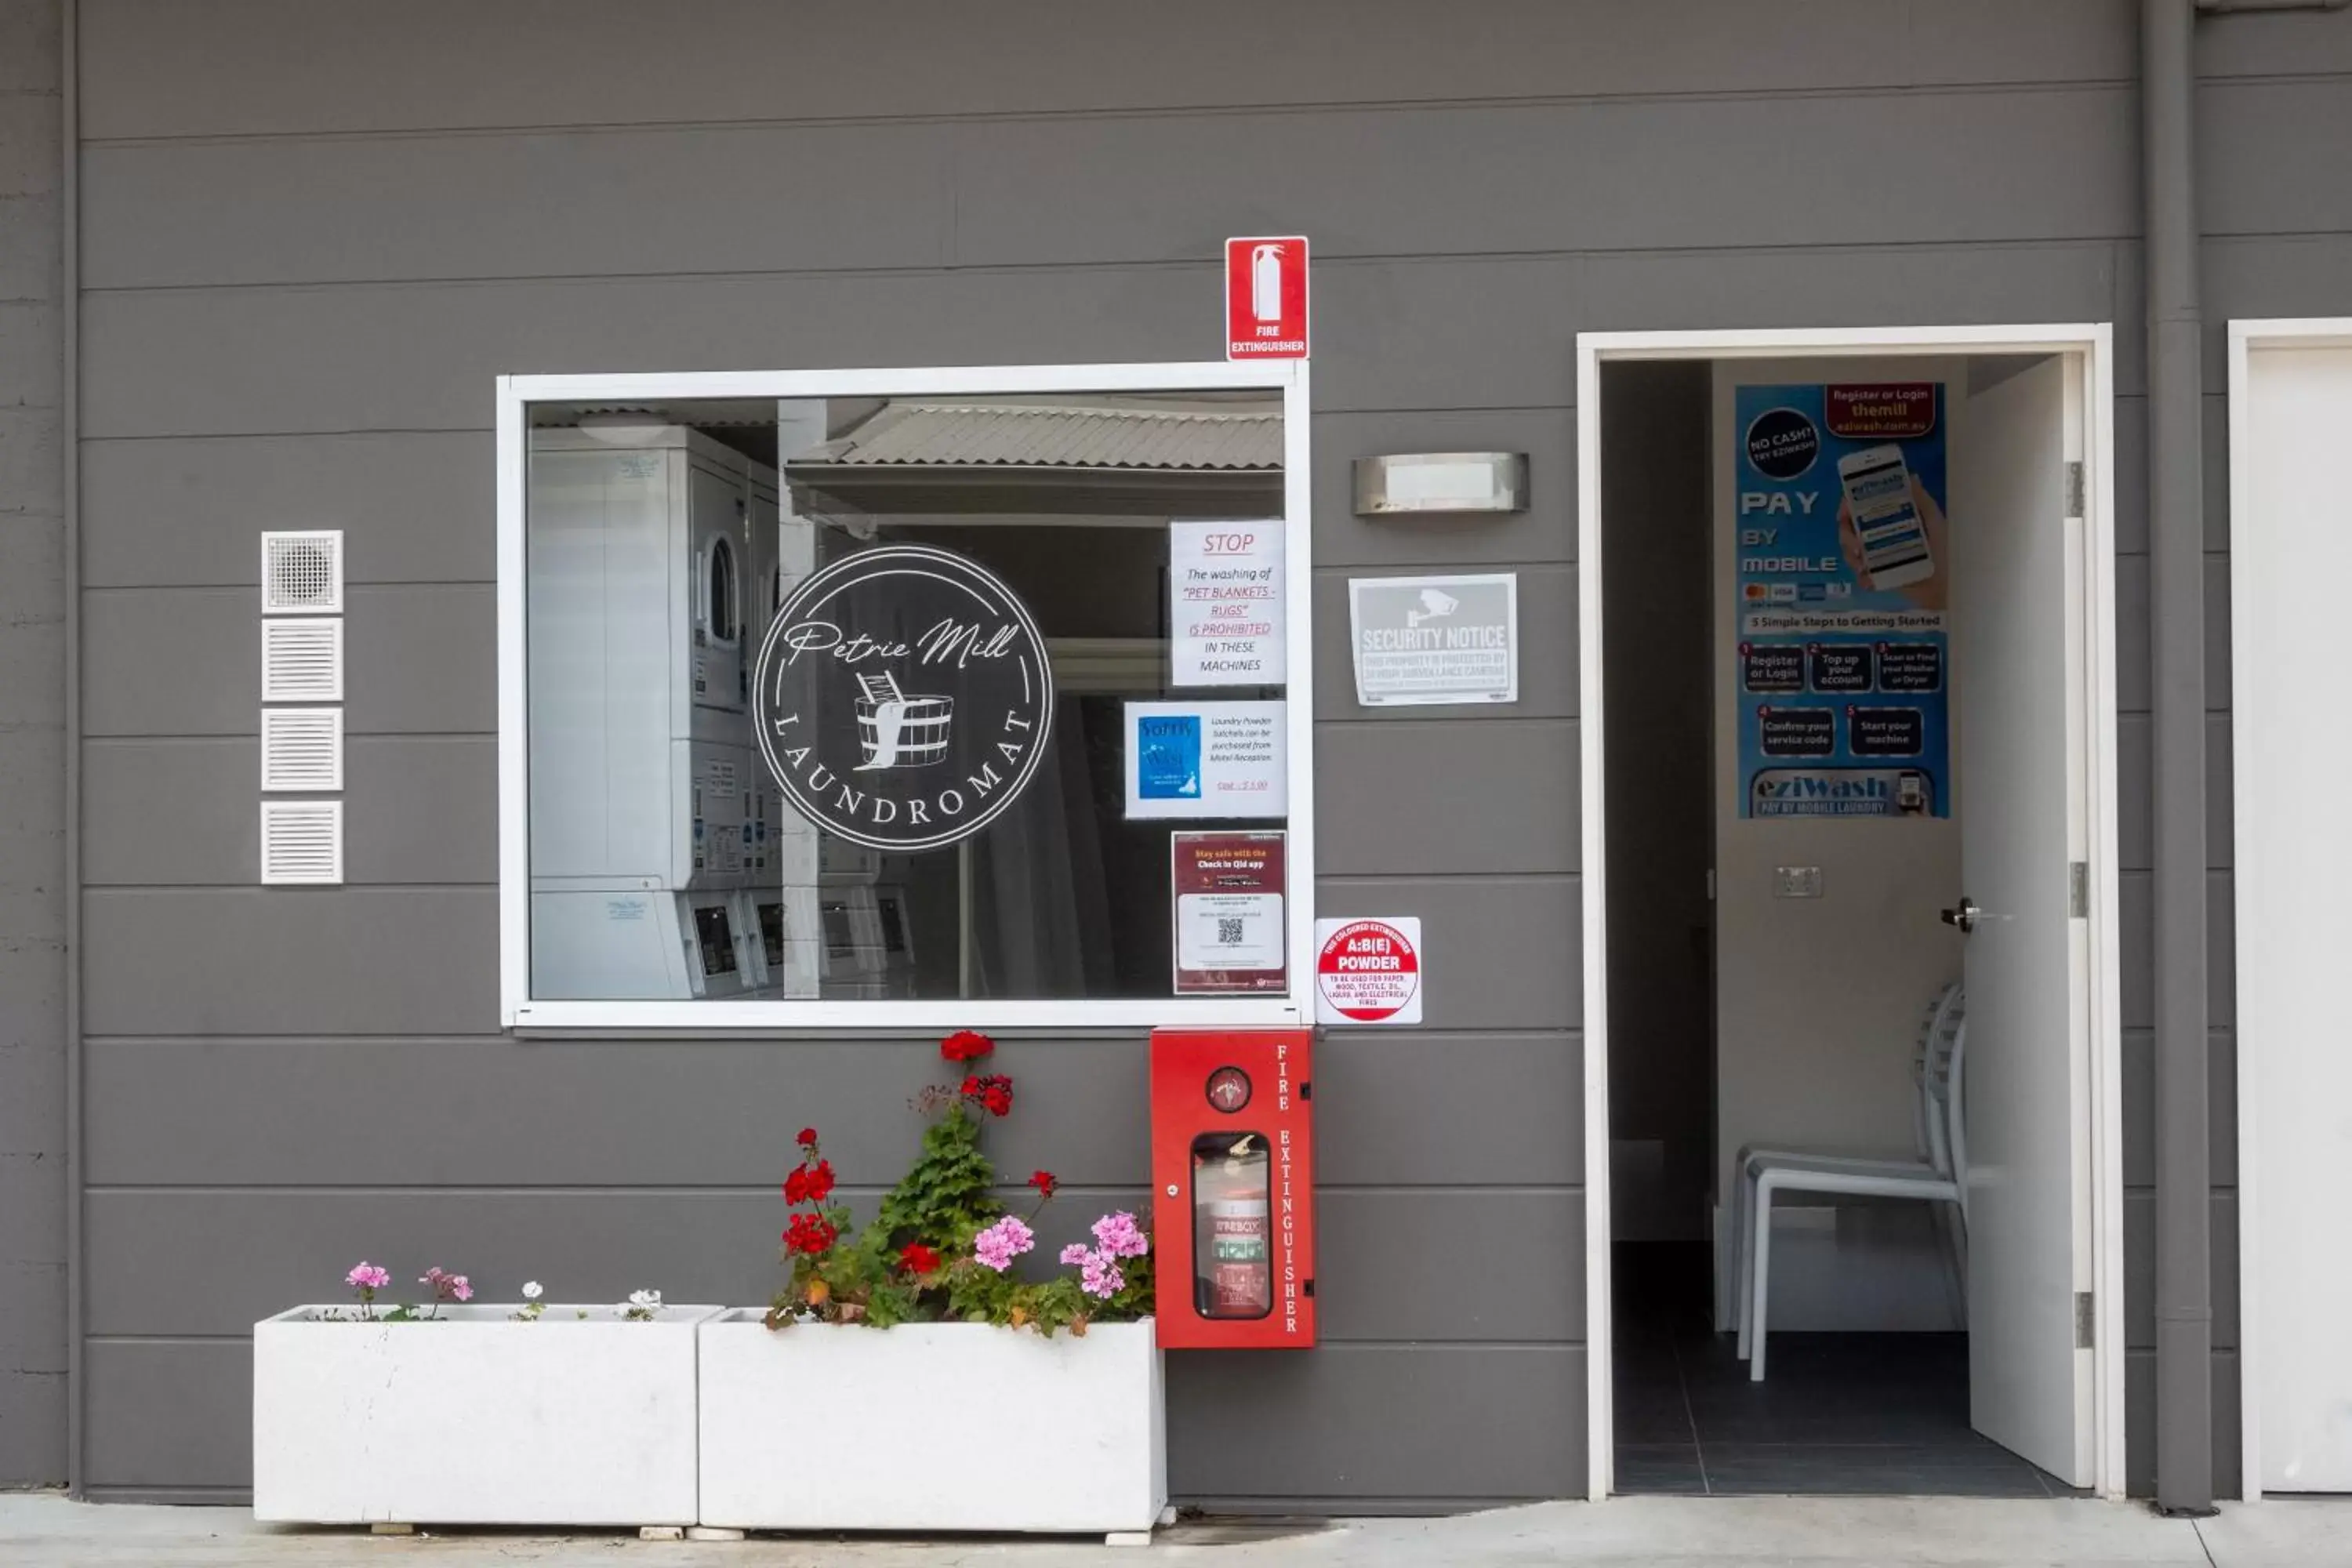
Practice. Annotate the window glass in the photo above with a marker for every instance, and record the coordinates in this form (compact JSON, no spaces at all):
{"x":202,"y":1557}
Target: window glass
{"x":721,"y":616}
{"x":1001,"y":716}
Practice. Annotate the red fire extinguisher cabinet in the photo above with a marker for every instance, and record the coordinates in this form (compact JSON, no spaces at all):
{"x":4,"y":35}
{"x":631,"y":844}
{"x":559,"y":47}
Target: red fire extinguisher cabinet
{"x":1232,"y":1193}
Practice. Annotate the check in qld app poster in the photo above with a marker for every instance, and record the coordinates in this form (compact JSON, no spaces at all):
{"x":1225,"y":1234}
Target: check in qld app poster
{"x":1839,"y":649}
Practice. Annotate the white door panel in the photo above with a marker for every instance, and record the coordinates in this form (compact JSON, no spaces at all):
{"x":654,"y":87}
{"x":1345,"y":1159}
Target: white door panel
{"x":2290,"y":558}
{"x":2018,"y":679}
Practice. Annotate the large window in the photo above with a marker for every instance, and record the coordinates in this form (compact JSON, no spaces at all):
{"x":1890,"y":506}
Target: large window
{"x":905,"y":697}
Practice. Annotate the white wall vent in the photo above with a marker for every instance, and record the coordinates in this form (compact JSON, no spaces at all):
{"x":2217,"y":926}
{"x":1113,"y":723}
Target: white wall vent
{"x":302,"y":661}
{"x":302,"y":574}
{"x":301,"y":749}
{"x":302,"y":842}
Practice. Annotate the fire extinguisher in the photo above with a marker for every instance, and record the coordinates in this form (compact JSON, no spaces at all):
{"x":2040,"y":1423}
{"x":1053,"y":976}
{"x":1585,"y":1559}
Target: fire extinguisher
{"x":1232,"y":1203}
{"x":1265,"y":282}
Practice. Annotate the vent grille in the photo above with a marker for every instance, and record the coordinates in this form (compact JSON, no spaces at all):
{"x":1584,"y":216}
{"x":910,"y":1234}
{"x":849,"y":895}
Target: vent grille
{"x":302,"y":661}
{"x":301,"y":749}
{"x":302,"y":574}
{"x":302,"y":842}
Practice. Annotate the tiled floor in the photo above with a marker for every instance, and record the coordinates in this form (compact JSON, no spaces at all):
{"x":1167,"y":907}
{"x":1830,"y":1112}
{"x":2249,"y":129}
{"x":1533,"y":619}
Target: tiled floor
{"x":1840,"y":1414}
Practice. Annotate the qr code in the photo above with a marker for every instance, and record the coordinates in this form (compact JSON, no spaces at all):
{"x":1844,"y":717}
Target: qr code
{"x":1229,"y":932}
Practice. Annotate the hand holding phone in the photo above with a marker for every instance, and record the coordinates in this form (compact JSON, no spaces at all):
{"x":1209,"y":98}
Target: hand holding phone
{"x":1899,"y":542}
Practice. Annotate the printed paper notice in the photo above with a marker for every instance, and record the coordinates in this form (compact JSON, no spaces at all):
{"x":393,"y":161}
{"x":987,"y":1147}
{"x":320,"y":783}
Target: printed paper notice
{"x":1207,"y":758}
{"x":1424,"y":640}
{"x":1230,"y":932}
{"x":1225,"y":608}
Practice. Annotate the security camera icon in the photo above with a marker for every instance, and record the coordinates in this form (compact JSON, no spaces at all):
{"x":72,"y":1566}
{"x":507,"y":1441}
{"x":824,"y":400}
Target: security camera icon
{"x":1434,"y":606}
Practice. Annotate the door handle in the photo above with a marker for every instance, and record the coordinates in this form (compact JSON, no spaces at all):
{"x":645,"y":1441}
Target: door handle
{"x":1962,"y":916}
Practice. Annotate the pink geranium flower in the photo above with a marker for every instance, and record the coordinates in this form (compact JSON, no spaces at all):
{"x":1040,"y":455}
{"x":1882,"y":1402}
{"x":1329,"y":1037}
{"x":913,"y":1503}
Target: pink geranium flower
{"x":1100,"y":1275}
{"x":368,"y":1277}
{"x":1119,"y":1237}
{"x":1003,"y":1242}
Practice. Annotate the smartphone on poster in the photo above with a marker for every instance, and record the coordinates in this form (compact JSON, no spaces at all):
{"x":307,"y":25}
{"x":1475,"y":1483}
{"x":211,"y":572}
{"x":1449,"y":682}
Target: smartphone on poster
{"x":1886,"y":520}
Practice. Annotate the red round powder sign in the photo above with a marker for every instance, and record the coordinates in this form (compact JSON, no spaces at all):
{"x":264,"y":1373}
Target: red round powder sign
{"x":1368,"y":972}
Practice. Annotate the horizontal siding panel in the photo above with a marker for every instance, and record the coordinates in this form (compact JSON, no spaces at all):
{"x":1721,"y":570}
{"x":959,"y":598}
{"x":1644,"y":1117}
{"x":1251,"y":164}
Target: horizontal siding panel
{"x":235,"y":1257}
{"x":2139,"y":1106}
{"x":505,"y":1112}
{"x":1455,"y":180}
{"x":2133,"y":650}
{"x":1456,"y":797}
{"x":251,"y":961}
{"x":280,"y":67}
{"x":1452,"y":333}
{"x":2135,"y":804}
{"x":702,"y":199}
{"x":1021,"y":192}
{"x":2140,"y":1270}
{"x":182,"y":813}
{"x":1375,"y":1421}
{"x":169,"y":1415}
{"x":1547,"y":654}
{"x":417,"y":660}
{"x":2267,"y":276}
{"x":1545,"y":531}
{"x":1473,"y":1266}
{"x":2269,"y":155}
{"x":414,"y":508}
{"x":1496,"y":952}
{"x":420,"y":507}
{"x":2136,"y":894}
{"x":1393,"y":1109}
{"x":2292,"y":45}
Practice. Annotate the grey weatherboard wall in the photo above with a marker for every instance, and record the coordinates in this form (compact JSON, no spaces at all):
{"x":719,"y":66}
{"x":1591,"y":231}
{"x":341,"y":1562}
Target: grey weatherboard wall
{"x":311,"y":237}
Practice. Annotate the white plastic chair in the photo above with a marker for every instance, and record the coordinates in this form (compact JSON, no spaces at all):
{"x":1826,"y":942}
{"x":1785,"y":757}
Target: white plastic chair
{"x":1938,"y":1174}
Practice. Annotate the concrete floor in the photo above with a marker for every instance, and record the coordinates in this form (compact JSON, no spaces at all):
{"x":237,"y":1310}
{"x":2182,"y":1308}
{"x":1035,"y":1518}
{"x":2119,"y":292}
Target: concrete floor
{"x":47,"y":1531}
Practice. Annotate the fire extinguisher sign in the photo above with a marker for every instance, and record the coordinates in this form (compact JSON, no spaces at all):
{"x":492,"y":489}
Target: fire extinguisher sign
{"x":1368,"y":971}
{"x":1265,"y":297}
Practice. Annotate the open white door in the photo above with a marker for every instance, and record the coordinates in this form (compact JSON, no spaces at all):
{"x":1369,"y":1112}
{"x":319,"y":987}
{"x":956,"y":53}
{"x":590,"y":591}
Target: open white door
{"x":2018,"y":692}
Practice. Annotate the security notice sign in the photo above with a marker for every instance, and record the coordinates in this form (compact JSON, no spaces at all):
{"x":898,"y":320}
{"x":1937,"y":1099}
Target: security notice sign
{"x":1230,"y":933}
{"x":1368,"y":971}
{"x":1224,"y":591}
{"x":1265,"y":297}
{"x":1423,"y":640}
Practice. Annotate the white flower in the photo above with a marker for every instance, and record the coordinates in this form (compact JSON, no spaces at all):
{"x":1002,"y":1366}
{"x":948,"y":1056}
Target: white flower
{"x":648,"y":1299}
{"x":531,"y":1292}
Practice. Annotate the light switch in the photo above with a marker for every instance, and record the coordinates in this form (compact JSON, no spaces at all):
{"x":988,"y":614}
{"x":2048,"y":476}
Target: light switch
{"x":1796,"y":881}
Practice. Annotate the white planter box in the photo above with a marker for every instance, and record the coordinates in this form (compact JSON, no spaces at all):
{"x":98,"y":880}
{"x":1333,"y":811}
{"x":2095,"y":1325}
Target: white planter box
{"x":930,"y":1427}
{"x":475,"y":1419}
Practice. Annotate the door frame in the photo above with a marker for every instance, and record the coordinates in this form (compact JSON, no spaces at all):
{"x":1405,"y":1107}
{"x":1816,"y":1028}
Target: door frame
{"x":2246,"y":335}
{"x":2091,"y":346}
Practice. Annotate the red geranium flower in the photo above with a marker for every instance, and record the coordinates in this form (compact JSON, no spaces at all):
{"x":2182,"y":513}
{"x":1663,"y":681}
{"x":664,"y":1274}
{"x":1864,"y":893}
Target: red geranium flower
{"x":796,"y":1185}
{"x":966,"y":1044}
{"x":808,"y":1138}
{"x":809,"y":1234}
{"x":820,"y":1180}
{"x":1044,"y":1182}
{"x":917,"y":1259}
{"x":994,"y":1091}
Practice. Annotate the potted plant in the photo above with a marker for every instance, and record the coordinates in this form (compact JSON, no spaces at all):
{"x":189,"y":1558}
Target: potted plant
{"x":453,"y":1411}
{"x":896,"y":1355}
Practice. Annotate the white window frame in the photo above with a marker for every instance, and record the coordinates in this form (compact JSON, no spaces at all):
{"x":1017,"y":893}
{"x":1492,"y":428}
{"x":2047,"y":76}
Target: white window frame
{"x":520,"y":1012}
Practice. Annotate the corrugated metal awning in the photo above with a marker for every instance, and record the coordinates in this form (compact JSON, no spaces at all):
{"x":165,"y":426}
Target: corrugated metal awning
{"x":1049,"y":436}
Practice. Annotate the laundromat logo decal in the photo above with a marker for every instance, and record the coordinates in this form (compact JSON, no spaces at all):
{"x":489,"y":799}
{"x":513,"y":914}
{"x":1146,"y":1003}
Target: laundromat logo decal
{"x":902,"y":698}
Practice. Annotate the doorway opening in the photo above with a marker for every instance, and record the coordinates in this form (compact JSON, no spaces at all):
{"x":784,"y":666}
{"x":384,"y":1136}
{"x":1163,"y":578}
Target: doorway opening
{"x":1852,"y":1015}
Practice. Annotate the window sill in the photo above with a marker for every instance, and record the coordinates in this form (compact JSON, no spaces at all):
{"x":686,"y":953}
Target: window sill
{"x":902,"y":1017}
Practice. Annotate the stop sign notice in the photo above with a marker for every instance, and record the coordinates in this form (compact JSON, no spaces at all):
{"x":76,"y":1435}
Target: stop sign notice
{"x":1368,"y":971}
